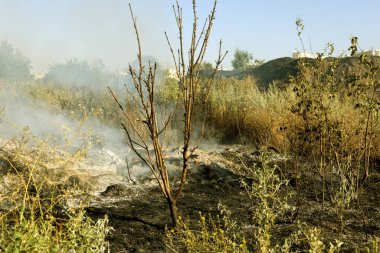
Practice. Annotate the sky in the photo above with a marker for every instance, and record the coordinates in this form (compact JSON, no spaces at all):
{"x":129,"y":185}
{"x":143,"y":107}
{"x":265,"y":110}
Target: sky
{"x":53,"y":31}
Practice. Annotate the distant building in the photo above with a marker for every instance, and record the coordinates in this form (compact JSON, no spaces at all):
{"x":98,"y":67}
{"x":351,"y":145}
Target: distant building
{"x":39,"y":75}
{"x":298,"y":55}
{"x":123,"y":73}
{"x":372,"y":52}
{"x":172,"y":73}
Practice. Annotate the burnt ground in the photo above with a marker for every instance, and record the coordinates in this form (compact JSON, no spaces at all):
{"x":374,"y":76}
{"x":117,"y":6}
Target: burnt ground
{"x":139,"y":221}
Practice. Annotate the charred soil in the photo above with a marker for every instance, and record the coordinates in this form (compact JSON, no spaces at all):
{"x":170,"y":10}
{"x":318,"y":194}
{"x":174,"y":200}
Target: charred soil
{"x":215,"y":178}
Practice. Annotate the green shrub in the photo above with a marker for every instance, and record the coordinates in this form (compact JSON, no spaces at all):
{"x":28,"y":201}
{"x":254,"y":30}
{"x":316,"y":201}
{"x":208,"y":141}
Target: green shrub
{"x":77,"y":233}
{"x":210,"y":235}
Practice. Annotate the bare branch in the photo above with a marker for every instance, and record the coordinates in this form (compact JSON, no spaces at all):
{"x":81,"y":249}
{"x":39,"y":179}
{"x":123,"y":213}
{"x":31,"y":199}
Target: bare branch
{"x":144,"y":83}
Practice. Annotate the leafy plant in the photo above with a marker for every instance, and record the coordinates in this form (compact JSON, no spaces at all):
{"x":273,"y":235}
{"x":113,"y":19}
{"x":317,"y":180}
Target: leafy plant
{"x":364,"y":87}
{"x":210,"y":235}
{"x":268,"y":203}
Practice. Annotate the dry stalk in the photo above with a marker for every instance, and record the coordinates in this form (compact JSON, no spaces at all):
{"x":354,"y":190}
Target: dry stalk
{"x":149,"y":149}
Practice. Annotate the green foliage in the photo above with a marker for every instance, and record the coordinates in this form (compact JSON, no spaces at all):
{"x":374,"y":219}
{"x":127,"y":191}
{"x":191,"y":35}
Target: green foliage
{"x":364,"y":88}
{"x":313,"y":238}
{"x":337,"y":112}
{"x":337,"y":122}
{"x":169,"y":91}
{"x":347,"y":192}
{"x":78,"y":102}
{"x":242,"y":60}
{"x":268,"y":202}
{"x":316,"y":88}
{"x":49,"y":234}
{"x":206,"y":70}
{"x":14,"y":67}
{"x":207,"y":66}
{"x":210,"y":235}
{"x":323,"y":92}
{"x":269,"y":196}
{"x":375,"y":247}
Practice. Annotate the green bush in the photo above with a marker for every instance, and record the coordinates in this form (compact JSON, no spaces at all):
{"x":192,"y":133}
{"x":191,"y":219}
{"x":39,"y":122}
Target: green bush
{"x":77,"y":233}
{"x":210,"y":235}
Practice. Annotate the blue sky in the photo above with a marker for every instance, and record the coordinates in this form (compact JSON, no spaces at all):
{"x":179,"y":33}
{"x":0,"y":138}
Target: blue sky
{"x":51,"y":31}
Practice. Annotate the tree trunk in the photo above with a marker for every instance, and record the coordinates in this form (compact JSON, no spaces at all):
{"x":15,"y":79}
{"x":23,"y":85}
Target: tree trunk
{"x":173,"y":211}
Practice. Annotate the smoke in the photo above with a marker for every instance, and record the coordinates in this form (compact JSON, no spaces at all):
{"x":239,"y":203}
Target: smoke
{"x":49,"y":32}
{"x":20,"y":112}
{"x":107,"y":147}
{"x":97,"y":76}
{"x":108,"y":151}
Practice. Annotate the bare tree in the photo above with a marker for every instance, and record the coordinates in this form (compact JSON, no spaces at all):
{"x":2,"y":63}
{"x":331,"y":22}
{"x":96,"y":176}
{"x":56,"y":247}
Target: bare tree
{"x":148,"y":145}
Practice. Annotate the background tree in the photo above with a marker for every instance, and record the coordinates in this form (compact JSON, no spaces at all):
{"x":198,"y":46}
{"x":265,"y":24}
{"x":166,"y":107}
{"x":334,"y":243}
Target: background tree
{"x":14,"y":66}
{"x":242,"y":59}
{"x":207,"y":66}
{"x":206,"y":69}
{"x":76,"y":72}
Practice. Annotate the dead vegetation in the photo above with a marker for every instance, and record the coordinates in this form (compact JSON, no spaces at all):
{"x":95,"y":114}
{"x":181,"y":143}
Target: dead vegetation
{"x":143,"y":130}
{"x":37,"y":181}
{"x":307,"y":178}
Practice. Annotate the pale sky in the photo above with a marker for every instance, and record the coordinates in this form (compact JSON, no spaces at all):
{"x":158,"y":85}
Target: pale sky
{"x":52,"y":31}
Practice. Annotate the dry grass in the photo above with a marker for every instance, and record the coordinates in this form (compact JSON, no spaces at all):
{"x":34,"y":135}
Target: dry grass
{"x":78,"y":102}
{"x":235,"y":109}
{"x":37,"y":180}
{"x":239,"y":108}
